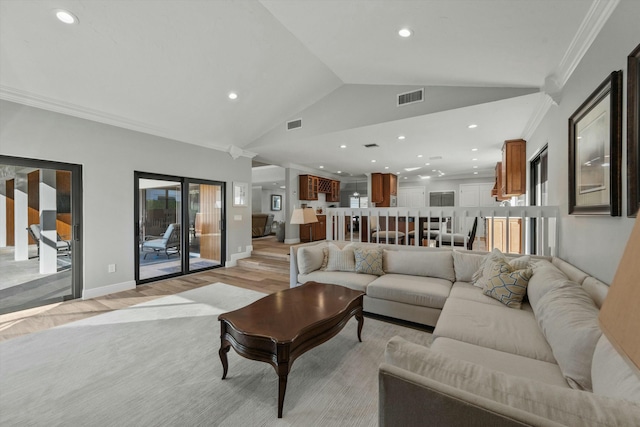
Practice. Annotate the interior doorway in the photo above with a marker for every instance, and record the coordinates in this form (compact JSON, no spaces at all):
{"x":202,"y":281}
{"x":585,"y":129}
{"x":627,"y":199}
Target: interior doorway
{"x":40,"y":232}
{"x":179,"y":226}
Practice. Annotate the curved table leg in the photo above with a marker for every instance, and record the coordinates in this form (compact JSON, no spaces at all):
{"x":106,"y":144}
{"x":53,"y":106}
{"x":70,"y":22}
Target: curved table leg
{"x":282,"y":388}
{"x":360,"y":319}
{"x":224,"y":349}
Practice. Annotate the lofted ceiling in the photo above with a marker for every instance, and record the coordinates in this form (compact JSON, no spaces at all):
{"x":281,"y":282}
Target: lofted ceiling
{"x":166,"y":67}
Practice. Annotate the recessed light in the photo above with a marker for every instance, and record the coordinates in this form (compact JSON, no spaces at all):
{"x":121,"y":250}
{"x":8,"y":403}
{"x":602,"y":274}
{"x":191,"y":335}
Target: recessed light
{"x":66,"y":16}
{"x":419,"y":155}
{"x":386,"y":167}
{"x":427,"y":164}
{"x":401,"y":137}
{"x":475,"y":173}
{"x":433,"y":170}
{"x":373,"y":161}
{"x":472,"y":126}
{"x":233,"y":95}
{"x":475,"y":167}
{"x":343,"y":146}
{"x":283,"y":187}
{"x":473,"y":160}
{"x":321,"y":167}
{"x":405,"y":32}
{"x":474,"y":149}
{"x":405,"y":177}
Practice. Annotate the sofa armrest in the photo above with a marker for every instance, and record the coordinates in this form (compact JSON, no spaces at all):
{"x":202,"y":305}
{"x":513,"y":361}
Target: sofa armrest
{"x":409,"y":399}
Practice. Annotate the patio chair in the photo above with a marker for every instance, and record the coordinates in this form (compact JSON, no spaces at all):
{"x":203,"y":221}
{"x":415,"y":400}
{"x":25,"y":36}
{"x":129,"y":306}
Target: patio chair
{"x":169,"y":243}
{"x":63,"y":246}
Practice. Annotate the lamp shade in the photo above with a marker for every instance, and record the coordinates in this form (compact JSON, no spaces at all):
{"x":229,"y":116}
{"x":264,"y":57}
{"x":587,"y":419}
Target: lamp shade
{"x":303,"y":216}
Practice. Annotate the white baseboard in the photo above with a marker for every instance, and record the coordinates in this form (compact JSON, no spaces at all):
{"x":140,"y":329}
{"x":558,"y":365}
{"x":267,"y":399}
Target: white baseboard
{"x":235,"y":257}
{"x":291,"y":241}
{"x":109,"y":289}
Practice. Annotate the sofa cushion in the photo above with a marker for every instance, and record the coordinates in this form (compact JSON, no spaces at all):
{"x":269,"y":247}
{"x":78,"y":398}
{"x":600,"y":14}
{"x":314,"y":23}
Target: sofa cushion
{"x":369,"y":261}
{"x":500,"y":328}
{"x":467,"y":291}
{"x":340,"y":259}
{"x":506,"y":284}
{"x":573,"y":273}
{"x":568,"y":319}
{"x":310,"y":258}
{"x":559,"y":405}
{"x":508,"y":363}
{"x":414,"y":290}
{"x":350,"y":280}
{"x":427,"y":263}
{"x":466,"y":264}
{"x":596,"y":289}
{"x":611,"y":376}
{"x":545,"y":277}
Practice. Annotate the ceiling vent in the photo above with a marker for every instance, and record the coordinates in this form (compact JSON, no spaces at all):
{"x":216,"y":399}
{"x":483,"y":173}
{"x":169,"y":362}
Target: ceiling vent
{"x":411,"y":97}
{"x":371,"y":145}
{"x":294,"y":124}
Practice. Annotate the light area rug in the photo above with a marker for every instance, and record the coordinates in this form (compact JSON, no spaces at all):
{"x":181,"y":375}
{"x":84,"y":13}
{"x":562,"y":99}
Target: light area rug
{"x":157,"y":364}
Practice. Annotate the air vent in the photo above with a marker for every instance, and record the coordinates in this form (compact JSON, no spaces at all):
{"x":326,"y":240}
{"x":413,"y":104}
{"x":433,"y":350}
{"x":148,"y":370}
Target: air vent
{"x":411,"y":97}
{"x":294,"y":124}
{"x":371,"y":145}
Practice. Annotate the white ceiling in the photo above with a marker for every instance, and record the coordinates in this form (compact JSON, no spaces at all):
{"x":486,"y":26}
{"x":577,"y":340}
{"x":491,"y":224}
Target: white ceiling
{"x":165,"y":67}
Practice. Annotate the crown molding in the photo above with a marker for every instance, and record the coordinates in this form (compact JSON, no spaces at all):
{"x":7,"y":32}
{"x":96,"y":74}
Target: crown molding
{"x":596,"y":17}
{"x":32,"y":100}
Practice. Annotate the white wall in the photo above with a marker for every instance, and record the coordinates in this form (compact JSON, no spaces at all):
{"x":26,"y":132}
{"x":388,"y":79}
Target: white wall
{"x":593,"y":244}
{"x":109,"y":156}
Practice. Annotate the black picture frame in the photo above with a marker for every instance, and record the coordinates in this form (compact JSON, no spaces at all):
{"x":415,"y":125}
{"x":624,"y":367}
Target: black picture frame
{"x":633,"y":132}
{"x":276,"y":202}
{"x":595,"y":151}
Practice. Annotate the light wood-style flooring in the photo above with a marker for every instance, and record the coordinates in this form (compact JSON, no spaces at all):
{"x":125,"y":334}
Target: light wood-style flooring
{"x":264,"y":280}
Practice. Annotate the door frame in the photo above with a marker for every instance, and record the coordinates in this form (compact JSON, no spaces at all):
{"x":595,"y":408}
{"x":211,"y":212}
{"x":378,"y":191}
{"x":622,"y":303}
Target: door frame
{"x":77,"y":266}
{"x":184,"y":230}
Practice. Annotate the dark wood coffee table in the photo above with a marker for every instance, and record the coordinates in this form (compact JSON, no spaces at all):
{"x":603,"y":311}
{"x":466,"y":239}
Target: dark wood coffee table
{"x":282,"y":326}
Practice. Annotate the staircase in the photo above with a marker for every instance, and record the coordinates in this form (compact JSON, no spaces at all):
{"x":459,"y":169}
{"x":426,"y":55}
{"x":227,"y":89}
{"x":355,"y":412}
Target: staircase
{"x":266,"y":261}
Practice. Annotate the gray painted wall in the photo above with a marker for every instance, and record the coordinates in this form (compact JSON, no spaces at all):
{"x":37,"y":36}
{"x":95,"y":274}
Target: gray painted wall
{"x":109,"y":156}
{"x":593,"y":244}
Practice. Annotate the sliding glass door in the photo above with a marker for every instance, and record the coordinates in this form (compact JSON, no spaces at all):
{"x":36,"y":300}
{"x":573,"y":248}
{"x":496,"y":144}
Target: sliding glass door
{"x":40,"y":232}
{"x":179,"y":226}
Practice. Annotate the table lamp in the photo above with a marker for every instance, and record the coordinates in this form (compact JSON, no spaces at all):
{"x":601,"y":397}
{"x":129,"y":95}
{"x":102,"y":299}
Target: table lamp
{"x":304,"y":216}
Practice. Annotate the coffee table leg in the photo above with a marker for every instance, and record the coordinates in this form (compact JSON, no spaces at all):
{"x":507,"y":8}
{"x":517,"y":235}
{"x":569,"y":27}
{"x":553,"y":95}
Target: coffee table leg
{"x":282,"y":388}
{"x":224,"y":349}
{"x":360,"y":319}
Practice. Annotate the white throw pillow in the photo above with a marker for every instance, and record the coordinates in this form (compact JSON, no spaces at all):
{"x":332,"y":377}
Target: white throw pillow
{"x":340,"y":260}
{"x":310,"y":258}
{"x":427,"y":263}
{"x":568,"y":319}
{"x":466,"y":264}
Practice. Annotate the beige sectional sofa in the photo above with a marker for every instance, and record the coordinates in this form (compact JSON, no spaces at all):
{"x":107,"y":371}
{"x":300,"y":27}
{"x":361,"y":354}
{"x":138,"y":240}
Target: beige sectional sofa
{"x":546,"y":363}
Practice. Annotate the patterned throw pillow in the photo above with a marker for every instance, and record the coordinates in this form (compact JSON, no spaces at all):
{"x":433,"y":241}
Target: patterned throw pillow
{"x":506,"y":284}
{"x":369,"y":261}
{"x":340,"y":260}
{"x":479,"y":277}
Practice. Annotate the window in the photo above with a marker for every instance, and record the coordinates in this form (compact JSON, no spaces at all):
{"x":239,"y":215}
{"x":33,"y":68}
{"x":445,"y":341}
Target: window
{"x":442,"y":198}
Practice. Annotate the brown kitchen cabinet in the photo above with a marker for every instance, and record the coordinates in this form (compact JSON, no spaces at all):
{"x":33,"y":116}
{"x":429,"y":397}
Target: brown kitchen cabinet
{"x":496,"y":191}
{"x":497,"y":234}
{"x":319,"y":230}
{"x":308,"y":187}
{"x":334,"y":195}
{"x":384,"y":189}
{"x":514,"y":162}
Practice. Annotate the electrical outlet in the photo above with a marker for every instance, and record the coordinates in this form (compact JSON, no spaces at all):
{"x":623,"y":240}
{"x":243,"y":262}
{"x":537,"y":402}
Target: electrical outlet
{"x":111,"y":268}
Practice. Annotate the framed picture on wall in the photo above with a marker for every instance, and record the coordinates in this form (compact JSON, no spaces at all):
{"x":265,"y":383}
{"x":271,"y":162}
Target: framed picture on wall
{"x":240,"y":194}
{"x":633,"y":132}
{"x":595,"y":144}
{"x":276,"y":202}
